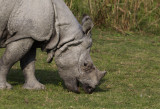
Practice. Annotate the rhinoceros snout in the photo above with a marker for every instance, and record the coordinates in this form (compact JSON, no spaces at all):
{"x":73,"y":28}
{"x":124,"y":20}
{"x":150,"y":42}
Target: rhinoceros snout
{"x":88,"y":89}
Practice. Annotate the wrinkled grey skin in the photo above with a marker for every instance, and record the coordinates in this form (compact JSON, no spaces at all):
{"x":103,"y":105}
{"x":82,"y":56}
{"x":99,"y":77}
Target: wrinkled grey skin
{"x":47,"y":24}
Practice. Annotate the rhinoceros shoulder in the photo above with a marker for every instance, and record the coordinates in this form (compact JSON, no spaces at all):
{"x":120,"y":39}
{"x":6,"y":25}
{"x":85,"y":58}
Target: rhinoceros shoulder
{"x":32,"y":18}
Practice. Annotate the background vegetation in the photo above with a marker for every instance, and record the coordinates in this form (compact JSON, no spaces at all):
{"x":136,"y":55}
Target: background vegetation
{"x":121,"y":15}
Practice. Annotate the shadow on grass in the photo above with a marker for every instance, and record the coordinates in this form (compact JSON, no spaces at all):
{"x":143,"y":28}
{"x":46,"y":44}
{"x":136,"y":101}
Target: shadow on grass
{"x":15,"y":77}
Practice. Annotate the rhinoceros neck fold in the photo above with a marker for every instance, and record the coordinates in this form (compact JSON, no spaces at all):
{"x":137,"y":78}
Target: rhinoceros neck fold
{"x":69,"y":27}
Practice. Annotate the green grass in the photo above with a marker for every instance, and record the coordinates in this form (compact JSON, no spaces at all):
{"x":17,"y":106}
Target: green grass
{"x":132,"y":82}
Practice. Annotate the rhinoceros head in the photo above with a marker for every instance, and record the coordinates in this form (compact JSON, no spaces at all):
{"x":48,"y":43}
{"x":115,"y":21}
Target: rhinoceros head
{"x":75,"y":64}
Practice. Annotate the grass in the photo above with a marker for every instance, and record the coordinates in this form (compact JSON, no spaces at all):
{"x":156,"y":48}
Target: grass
{"x":132,"y":82}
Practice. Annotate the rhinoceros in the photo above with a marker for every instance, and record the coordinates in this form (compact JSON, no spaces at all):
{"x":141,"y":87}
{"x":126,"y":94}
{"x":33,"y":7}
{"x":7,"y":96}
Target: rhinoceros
{"x":50,"y":25}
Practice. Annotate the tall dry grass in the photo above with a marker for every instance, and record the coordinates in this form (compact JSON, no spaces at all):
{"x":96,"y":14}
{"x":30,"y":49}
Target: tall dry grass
{"x":121,"y":15}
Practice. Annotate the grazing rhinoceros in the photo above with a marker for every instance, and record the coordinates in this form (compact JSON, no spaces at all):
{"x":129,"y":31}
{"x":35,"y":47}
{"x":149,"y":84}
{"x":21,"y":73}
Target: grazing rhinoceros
{"x":47,"y":24}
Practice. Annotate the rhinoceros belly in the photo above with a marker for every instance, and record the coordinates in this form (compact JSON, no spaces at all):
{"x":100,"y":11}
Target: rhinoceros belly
{"x":32,"y":18}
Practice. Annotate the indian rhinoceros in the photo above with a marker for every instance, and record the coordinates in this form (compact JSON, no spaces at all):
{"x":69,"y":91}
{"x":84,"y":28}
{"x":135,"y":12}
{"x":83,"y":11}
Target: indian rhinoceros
{"x":50,"y":25}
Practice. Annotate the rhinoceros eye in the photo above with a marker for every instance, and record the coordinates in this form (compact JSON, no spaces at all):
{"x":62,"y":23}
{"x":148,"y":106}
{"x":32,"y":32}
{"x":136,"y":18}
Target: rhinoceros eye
{"x":88,"y":67}
{"x":85,"y":64}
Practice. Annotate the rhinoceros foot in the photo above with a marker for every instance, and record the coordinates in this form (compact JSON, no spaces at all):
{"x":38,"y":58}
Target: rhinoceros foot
{"x":34,"y":86}
{"x":5,"y":86}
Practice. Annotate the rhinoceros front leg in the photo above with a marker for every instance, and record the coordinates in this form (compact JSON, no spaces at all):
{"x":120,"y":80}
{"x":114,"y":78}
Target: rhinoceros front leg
{"x":13,"y":53}
{"x":28,"y":66}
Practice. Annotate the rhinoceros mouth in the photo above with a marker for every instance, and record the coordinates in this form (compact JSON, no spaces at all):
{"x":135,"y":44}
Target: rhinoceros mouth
{"x":88,"y":89}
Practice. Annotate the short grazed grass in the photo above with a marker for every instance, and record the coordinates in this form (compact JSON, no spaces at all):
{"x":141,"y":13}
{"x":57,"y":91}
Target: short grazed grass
{"x":133,"y":79}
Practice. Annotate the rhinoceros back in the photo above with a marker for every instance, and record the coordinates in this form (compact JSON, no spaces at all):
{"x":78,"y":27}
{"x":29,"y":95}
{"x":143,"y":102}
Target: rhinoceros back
{"x":32,"y":18}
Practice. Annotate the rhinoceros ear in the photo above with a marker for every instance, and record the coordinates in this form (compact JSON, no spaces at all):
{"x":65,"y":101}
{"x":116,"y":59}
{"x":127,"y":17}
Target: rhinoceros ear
{"x":87,"y":24}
